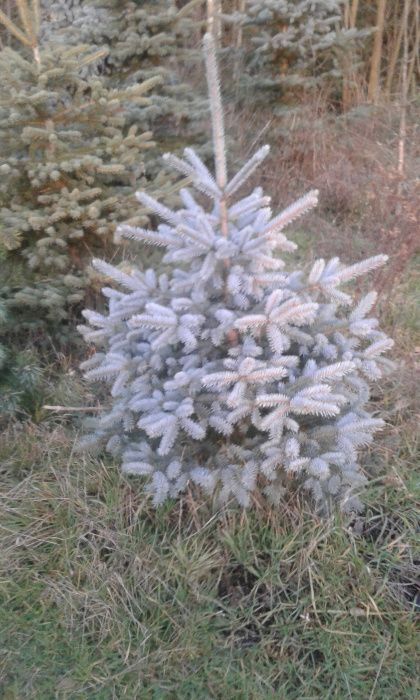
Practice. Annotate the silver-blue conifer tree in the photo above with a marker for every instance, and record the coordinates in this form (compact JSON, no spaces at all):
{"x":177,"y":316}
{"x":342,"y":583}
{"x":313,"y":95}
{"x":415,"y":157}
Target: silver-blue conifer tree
{"x":228,"y":371}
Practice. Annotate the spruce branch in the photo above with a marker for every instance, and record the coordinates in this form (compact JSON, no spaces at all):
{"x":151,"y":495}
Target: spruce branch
{"x":292,"y":212}
{"x":14,"y":29}
{"x":36,"y":13}
{"x":246,"y":171}
{"x":30,"y":18}
{"x":26,"y":18}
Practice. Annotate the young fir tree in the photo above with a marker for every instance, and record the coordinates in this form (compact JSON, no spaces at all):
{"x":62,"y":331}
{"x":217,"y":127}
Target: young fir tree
{"x":68,"y":166}
{"x":290,"y":45}
{"x":228,"y":370}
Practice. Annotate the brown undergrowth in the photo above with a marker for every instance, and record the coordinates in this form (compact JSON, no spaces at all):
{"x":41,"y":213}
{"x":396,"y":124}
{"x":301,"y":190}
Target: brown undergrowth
{"x":365,"y":204}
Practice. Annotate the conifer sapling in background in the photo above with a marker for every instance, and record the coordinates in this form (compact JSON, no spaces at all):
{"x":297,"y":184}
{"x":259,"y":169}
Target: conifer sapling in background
{"x":145,"y":40}
{"x":68,"y":166}
{"x":293,"y":45}
{"x":228,"y":370}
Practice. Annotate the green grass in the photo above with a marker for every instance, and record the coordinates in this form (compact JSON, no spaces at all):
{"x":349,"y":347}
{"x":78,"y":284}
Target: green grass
{"x":103,"y":597}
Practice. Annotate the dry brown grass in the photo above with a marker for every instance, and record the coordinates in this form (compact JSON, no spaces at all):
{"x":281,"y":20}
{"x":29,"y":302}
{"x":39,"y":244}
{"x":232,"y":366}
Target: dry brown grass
{"x":365,"y":206}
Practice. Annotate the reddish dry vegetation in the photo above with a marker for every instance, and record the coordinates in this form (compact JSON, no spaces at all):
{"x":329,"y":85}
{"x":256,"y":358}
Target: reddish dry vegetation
{"x":366,"y":204}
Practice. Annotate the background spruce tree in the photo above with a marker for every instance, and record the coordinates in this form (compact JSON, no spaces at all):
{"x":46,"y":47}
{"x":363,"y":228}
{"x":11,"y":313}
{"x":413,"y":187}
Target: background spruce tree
{"x":68,"y":166}
{"x":289,"y":47}
{"x":228,"y":370}
{"x":144,"y":40}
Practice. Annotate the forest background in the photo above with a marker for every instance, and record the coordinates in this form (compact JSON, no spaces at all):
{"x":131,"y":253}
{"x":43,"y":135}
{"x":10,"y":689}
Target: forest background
{"x":103,"y":597}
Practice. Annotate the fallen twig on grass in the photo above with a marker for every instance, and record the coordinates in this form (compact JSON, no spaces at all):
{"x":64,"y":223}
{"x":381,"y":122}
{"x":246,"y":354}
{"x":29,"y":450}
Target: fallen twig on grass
{"x":82,"y":409}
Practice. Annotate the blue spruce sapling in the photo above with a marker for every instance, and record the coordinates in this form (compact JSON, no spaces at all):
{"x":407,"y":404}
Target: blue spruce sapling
{"x":228,"y":371}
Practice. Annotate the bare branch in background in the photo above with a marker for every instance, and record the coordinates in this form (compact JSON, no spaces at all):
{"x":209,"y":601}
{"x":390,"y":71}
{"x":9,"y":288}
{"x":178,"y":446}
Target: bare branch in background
{"x":376,"y":58}
{"x":214,"y":24}
{"x":403,"y":104}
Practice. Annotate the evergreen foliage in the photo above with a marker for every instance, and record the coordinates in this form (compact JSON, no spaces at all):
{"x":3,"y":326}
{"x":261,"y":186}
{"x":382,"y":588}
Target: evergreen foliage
{"x":291,"y":45}
{"x":20,"y":374}
{"x":144,"y":40}
{"x":68,"y":167}
{"x":227,"y":370}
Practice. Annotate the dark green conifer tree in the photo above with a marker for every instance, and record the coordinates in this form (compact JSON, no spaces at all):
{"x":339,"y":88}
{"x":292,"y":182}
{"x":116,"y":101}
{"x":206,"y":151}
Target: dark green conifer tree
{"x":69,"y":163}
